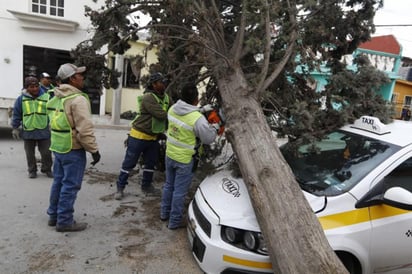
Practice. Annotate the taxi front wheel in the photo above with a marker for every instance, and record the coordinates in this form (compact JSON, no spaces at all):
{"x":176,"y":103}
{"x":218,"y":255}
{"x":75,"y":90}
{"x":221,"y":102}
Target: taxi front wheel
{"x":350,"y":262}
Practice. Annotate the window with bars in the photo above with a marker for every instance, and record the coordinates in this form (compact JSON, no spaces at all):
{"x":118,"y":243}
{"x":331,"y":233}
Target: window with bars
{"x":48,"y":7}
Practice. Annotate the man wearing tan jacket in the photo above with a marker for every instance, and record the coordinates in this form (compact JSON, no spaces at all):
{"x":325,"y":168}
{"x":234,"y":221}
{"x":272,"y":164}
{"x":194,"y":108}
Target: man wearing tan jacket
{"x":72,"y":134}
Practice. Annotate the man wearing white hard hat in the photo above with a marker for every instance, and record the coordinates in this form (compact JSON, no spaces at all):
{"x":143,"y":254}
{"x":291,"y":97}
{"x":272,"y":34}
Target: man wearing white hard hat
{"x":45,"y":82}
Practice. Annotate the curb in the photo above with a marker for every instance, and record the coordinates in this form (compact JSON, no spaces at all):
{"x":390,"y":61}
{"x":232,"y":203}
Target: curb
{"x":120,"y":127}
{"x":105,"y":122}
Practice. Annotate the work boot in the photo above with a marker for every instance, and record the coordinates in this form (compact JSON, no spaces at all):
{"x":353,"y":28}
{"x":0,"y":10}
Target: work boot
{"x":48,"y":173}
{"x":52,"y":222}
{"x":74,"y":227}
{"x":181,"y":225}
{"x":119,"y":194}
{"x":151,"y":191}
{"x":32,"y":174}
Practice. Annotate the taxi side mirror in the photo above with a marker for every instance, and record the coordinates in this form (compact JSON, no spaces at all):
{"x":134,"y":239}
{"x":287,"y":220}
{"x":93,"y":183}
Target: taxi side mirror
{"x":395,"y":196}
{"x":398,"y":197}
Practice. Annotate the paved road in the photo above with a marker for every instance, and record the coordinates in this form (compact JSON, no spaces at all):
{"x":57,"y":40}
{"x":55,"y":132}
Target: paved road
{"x":122,"y":237}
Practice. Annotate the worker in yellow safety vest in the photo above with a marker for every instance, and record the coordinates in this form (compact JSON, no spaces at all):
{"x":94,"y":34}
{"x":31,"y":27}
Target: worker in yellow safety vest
{"x":30,"y":112}
{"x":187,"y":128}
{"x":149,"y":124}
{"x":72,"y":135}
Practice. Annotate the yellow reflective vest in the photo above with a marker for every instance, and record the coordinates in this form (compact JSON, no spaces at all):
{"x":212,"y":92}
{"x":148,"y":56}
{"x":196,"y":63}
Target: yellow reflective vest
{"x":158,"y":126}
{"x":61,"y":130}
{"x":34,"y":112}
{"x":181,"y":138}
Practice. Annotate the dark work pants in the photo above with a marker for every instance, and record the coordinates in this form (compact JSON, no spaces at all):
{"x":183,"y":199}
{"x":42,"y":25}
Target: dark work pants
{"x":45,"y":154}
{"x":135,"y":148}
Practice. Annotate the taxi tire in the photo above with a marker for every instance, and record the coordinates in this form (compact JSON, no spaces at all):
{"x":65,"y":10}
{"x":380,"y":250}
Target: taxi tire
{"x":350,"y":262}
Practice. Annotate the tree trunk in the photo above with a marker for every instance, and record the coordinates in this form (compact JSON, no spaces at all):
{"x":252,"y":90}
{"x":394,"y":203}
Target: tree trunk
{"x":295,"y":238}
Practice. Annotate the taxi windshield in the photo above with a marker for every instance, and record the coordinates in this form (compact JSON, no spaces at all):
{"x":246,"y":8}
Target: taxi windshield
{"x":336,"y":163}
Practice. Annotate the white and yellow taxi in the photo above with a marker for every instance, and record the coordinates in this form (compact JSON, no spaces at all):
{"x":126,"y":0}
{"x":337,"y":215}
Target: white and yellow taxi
{"x":358,"y":182}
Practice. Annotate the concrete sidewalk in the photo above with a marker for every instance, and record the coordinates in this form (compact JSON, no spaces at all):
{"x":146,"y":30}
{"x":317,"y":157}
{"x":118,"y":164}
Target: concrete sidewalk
{"x":105,"y":121}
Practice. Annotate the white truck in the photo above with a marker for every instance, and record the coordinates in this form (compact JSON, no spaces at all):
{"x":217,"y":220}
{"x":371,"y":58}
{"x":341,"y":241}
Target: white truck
{"x":6,"y":109}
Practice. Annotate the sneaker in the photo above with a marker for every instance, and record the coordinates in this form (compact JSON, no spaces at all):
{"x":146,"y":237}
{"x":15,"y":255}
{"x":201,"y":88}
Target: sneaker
{"x":151,"y":191}
{"x":49,"y":174}
{"x":74,"y":227}
{"x":52,"y":222}
{"x":119,"y":195}
{"x":32,"y":174}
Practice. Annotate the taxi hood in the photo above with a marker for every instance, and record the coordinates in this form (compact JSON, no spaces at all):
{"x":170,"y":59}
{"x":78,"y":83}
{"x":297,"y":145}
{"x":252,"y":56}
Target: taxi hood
{"x":229,"y":199}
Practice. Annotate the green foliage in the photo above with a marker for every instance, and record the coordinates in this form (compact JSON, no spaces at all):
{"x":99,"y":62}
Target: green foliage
{"x":357,"y":92}
{"x":207,"y":39}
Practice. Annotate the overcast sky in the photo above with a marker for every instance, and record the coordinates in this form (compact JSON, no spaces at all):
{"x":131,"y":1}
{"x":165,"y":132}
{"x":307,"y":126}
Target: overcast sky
{"x":396,"y":12}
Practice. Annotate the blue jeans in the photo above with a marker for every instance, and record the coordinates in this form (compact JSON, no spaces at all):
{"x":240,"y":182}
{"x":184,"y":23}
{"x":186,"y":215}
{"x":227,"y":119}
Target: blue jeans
{"x":68,"y":171}
{"x":136,"y":147}
{"x":178,"y":179}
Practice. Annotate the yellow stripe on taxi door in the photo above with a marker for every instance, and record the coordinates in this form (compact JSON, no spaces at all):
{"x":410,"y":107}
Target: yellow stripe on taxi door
{"x":357,"y":216}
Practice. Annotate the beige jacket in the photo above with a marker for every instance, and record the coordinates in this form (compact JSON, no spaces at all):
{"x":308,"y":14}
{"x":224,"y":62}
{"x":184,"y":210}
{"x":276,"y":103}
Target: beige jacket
{"x":78,"y":114}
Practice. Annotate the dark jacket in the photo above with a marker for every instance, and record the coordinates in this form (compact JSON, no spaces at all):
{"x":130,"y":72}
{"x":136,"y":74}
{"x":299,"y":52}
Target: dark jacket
{"x":149,"y":108}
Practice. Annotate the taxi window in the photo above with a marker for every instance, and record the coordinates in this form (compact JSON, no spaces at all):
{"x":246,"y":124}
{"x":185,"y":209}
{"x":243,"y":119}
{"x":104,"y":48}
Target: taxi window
{"x":400,"y":176}
{"x":336,"y":163}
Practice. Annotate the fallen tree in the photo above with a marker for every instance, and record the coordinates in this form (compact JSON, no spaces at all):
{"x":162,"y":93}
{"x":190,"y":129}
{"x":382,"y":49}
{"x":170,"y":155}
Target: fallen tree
{"x":258,"y":56}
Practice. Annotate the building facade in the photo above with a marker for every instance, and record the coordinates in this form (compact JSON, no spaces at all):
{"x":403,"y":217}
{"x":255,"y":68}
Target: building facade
{"x":38,"y":36}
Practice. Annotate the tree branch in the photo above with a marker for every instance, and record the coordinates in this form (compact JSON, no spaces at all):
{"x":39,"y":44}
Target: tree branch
{"x":203,"y":43}
{"x":210,"y":31}
{"x":218,"y":24}
{"x":266,"y":55}
{"x":288,"y":53}
{"x":240,"y":36}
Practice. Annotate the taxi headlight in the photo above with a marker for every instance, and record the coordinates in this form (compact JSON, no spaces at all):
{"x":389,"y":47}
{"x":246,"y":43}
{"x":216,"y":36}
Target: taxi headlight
{"x":244,"y":239}
{"x":233,"y":235}
{"x":250,"y":240}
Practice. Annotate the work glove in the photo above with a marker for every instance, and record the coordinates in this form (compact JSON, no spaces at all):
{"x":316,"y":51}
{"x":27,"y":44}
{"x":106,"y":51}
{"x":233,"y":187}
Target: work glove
{"x":96,"y":158}
{"x":206,"y":108}
{"x":126,"y":141}
{"x":161,"y":136}
{"x":219,"y":128}
{"x":216,"y":126}
{"x":15,"y":133}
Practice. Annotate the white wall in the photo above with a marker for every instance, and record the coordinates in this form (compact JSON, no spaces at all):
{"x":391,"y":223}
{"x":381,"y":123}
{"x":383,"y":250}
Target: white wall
{"x":14,"y":36}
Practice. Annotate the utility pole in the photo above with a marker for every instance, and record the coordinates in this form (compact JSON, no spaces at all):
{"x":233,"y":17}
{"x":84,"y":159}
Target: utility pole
{"x":117,"y":93}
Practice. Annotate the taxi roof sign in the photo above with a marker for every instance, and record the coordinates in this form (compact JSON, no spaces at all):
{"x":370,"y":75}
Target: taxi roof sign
{"x":371,"y":124}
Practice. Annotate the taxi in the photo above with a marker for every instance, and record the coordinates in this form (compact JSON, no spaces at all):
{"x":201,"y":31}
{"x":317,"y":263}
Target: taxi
{"x":358,"y":181}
